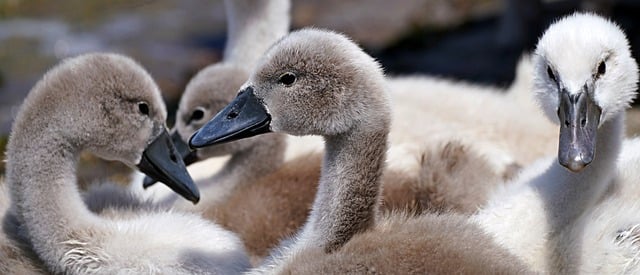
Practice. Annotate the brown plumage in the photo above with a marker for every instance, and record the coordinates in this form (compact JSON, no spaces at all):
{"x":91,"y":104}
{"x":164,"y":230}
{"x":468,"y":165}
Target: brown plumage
{"x":271,"y":208}
{"x":452,"y":177}
{"x":274,"y":207}
{"x":438,"y":244}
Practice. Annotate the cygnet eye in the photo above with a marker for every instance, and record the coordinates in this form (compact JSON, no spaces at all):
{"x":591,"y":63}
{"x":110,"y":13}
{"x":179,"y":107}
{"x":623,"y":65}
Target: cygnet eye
{"x":143,"y":107}
{"x":287,"y":79}
{"x":197,"y":115}
{"x":602,"y":68}
{"x":552,"y":76}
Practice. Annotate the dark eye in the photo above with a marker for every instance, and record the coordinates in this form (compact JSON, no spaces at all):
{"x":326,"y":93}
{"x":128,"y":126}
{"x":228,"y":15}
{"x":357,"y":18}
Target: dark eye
{"x":197,"y":114}
{"x":287,"y":78}
{"x":552,"y":76}
{"x":602,"y":68}
{"x":143,"y":108}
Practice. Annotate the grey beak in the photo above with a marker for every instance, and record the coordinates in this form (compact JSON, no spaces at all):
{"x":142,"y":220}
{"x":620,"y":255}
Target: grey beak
{"x":244,"y":117}
{"x":184,"y":152}
{"x":579,"y":118}
{"x":161,"y":161}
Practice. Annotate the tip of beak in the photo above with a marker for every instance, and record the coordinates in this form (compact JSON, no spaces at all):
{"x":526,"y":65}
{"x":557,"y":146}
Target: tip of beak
{"x":148,"y":182}
{"x":576,"y":164}
{"x":195,"y":200}
{"x":195,"y":142}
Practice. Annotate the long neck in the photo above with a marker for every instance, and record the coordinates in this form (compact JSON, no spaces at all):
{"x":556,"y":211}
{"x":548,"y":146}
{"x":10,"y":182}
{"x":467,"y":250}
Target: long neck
{"x":253,"y":25}
{"x":349,"y":188}
{"x":244,"y":167}
{"x":261,"y":158}
{"x":569,"y":194}
{"x":42,"y":178}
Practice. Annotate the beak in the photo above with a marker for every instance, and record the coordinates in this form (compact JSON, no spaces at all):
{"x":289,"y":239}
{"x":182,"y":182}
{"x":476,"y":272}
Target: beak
{"x":244,"y":117}
{"x":579,"y":118}
{"x":161,"y":161}
{"x":184,"y":152}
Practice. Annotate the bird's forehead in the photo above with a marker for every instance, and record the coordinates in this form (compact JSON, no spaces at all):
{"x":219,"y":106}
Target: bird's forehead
{"x":576,"y":63}
{"x":575,"y":45}
{"x":575,"y":58}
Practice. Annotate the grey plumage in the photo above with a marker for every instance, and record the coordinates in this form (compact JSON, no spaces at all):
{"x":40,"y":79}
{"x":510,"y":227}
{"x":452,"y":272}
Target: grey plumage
{"x":340,"y":93}
{"x":94,"y":102}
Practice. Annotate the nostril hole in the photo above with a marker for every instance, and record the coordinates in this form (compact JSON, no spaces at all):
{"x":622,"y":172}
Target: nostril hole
{"x":172,"y":152}
{"x":173,"y":158}
{"x":583,"y":122}
{"x":232,"y":115}
{"x":566,"y":123}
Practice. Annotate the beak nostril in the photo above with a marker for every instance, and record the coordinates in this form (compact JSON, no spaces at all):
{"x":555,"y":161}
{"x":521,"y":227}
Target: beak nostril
{"x":173,"y":158}
{"x":566,"y":123}
{"x":583,"y":122}
{"x":232,"y":115}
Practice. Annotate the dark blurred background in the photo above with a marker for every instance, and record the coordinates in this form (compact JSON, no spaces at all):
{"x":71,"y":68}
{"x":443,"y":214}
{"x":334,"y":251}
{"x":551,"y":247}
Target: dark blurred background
{"x":472,"y":40}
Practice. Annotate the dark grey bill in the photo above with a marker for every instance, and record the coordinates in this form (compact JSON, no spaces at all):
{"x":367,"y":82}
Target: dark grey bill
{"x":244,"y":117}
{"x":579,"y":118}
{"x":187,"y":155}
{"x":161,"y":161}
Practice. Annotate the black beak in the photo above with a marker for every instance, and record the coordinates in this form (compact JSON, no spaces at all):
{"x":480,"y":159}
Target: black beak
{"x":244,"y":117}
{"x":184,"y":152}
{"x":161,"y":161}
{"x":579,"y":118}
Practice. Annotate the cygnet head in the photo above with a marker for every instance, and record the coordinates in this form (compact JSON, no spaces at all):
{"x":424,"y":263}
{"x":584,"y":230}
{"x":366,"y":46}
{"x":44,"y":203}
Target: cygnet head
{"x":584,"y":76}
{"x":207,"y":93}
{"x":213,"y":88}
{"x":110,"y":106}
{"x":312,"y":82}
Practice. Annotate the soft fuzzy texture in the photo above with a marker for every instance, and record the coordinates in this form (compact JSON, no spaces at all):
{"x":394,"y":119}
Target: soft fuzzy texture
{"x":341,"y":94}
{"x":430,"y":244}
{"x":93,"y":102}
{"x":605,"y":238}
{"x":16,"y":256}
{"x":272,"y":208}
{"x":452,"y":177}
{"x":532,"y":215}
{"x":503,"y":125}
{"x":273,"y":188}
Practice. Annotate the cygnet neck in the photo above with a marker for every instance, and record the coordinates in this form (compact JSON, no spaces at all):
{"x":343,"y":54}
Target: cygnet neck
{"x":42,"y":178}
{"x":243,"y":166}
{"x":577,"y":191}
{"x":349,"y":187}
{"x":253,"y":25}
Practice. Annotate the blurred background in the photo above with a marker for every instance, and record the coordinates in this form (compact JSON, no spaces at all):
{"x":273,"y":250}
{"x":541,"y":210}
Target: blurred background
{"x":477,"y":41}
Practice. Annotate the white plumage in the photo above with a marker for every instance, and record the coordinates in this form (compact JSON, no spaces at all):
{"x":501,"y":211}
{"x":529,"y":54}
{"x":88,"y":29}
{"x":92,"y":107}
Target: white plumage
{"x":579,"y":54}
